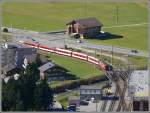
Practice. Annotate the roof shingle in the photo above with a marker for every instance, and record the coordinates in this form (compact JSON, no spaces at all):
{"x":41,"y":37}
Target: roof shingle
{"x":87,"y":22}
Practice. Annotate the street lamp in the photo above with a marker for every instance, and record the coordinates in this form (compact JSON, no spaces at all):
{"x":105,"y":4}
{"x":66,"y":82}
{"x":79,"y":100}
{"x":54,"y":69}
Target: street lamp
{"x":0,"y":21}
{"x":0,"y":46}
{"x":112,"y":56}
{"x":94,"y":63}
{"x":117,"y":17}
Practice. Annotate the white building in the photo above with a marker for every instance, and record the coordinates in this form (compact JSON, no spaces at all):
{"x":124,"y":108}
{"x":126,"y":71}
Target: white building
{"x":89,"y":92}
{"x":139,"y":89}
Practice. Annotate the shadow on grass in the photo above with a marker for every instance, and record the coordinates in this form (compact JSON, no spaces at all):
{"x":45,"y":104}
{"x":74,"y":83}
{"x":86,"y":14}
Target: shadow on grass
{"x":107,"y":36}
{"x":60,"y":73}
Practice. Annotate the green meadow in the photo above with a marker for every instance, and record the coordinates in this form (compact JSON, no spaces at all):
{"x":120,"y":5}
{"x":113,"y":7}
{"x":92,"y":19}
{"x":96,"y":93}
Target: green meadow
{"x":54,"y":16}
{"x":81,"y":69}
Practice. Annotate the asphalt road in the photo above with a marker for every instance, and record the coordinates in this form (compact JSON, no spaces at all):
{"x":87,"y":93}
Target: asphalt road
{"x":61,"y":39}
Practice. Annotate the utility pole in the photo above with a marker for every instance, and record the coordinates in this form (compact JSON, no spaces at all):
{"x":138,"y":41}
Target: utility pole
{"x":128,"y":63}
{"x":96,"y":105}
{"x":119,"y":65}
{"x":112,"y":56}
{"x":0,"y":51}
{"x":117,"y":17}
{"x":0,"y":21}
{"x":101,"y":53}
{"x":95,"y":57}
{"x":11,"y":27}
{"x":149,"y":48}
{"x":65,"y":46}
{"x":85,"y":8}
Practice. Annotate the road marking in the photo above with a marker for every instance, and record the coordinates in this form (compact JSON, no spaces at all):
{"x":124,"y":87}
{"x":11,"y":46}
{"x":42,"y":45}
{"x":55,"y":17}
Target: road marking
{"x":129,"y":25}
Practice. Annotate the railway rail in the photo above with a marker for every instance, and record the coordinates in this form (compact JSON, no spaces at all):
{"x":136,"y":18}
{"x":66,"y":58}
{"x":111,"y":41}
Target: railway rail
{"x":120,"y":78}
{"x":130,"y":106}
{"x":114,"y":75}
{"x":103,"y":107}
{"x":122,"y":104}
{"x":111,"y":106}
{"x":101,"y":64}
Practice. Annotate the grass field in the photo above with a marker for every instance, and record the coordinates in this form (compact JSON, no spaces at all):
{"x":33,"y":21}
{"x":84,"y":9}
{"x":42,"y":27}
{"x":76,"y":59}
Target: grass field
{"x":76,"y":67}
{"x":63,"y":99}
{"x":7,"y":37}
{"x":54,"y":16}
{"x":139,"y":62}
{"x":133,"y":37}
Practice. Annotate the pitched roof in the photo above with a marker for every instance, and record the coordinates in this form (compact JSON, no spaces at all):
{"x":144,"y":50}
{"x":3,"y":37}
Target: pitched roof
{"x":87,"y":22}
{"x":46,"y":66}
{"x":90,"y":87}
{"x":73,"y":98}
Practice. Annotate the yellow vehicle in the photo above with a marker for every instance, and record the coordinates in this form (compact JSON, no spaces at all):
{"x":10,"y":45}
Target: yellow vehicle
{"x":108,"y":91}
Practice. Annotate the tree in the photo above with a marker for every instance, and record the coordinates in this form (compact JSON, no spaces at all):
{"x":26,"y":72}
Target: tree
{"x":23,"y":94}
{"x":5,"y":30}
{"x":28,"y":80}
{"x":19,"y":103}
{"x":9,"y":96}
{"x":43,"y":96}
{"x":38,"y":60}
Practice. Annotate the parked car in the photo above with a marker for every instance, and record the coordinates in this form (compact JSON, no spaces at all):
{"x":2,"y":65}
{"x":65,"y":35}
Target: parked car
{"x":134,"y":51}
{"x":83,"y":102}
{"x":79,"y":41}
{"x":71,"y":108}
{"x":75,"y":35}
{"x":104,"y":34}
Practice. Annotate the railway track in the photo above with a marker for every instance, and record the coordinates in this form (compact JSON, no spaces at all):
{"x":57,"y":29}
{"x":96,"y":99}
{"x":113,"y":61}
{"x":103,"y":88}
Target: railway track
{"x":122,"y":103}
{"x":115,"y":75}
{"x":103,"y":107}
{"x":130,"y":107}
{"x":119,"y":77}
{"x":125,"y":75}
{"x":113,"y":78}
{"x":111,"y":106}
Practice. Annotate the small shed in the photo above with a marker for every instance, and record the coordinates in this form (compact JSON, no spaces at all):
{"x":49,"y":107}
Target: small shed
{"x":86,"y":27}
{"x":73,"y":100}
{"x":89,"y":92}
{"x":45,"y":67}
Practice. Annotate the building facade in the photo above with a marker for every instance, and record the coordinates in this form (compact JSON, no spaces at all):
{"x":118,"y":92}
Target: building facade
{"x":86,"y":28}
{"x":90,"y":92}
{"x":139,"y":90}
{"x":13,"y":56}
{"x":44,"y":68}
{"x":25,"y":53}
{"x":73,"y":100}
{"x":7,"y":58}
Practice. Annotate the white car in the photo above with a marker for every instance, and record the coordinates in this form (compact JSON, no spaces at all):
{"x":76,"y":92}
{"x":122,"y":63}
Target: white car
{"x":134,"y":51}
{"x":102,"y":31}
{"x":79,"y":41}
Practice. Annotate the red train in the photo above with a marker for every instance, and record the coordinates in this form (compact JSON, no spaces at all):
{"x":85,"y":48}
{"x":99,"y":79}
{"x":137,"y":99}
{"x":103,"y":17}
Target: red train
{"x":102,"y":65}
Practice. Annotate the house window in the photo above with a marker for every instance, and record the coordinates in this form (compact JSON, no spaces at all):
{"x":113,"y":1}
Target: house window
{"x":2,"y":72}
{"x":90,"y":91}
{"x":85,"y":91}
{"x":85,"y":96}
